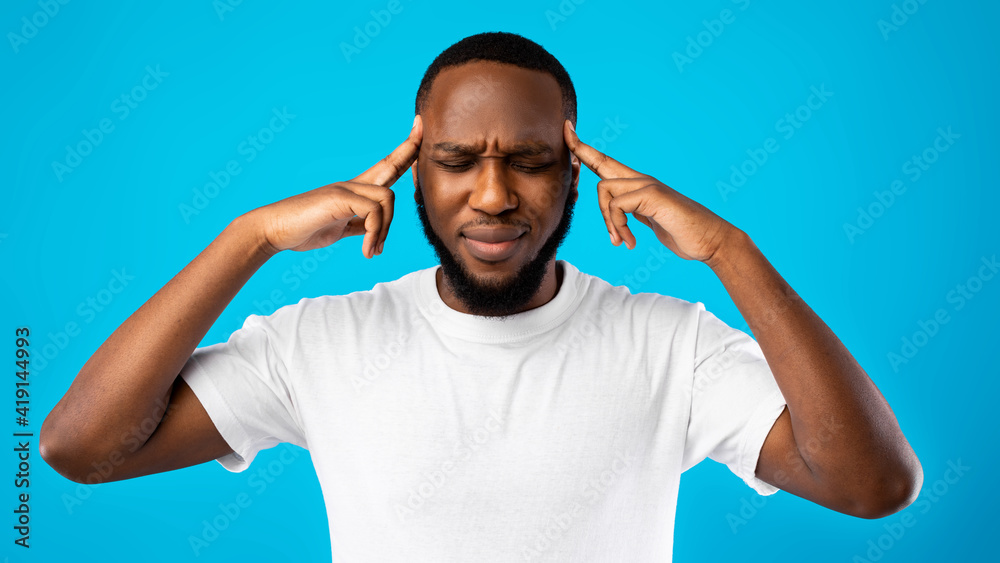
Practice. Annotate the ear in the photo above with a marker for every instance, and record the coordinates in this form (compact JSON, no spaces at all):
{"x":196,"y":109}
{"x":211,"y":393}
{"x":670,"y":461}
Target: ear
{"x":574,"y":192}
{"x":417,"y":196}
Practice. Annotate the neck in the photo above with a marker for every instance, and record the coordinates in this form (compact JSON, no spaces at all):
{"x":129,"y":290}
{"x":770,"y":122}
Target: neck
{"x":546,"y":291}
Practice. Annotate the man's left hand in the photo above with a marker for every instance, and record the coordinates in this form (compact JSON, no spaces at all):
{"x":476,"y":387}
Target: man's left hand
{"x":683,"y":225}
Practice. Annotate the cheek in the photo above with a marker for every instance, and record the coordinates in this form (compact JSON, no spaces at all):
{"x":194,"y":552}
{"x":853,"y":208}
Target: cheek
{"x":441,"y":199}
{"x":443,"y":194}
{"x":549,"y":195}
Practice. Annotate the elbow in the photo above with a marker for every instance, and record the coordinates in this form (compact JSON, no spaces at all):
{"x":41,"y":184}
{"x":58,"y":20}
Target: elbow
{"x":62,"y":454}
{"x":894,"y":492}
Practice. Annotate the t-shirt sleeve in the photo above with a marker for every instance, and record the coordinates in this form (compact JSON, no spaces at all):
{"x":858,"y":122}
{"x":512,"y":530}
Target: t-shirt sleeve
{"x":244,"y":386}
{"x":734,"y":400}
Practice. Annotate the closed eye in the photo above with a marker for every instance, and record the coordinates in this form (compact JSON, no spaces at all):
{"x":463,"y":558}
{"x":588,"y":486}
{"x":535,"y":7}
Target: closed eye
{"x":453,"y":167}
{"x":458,"y":167}
{"x":533,"y":168}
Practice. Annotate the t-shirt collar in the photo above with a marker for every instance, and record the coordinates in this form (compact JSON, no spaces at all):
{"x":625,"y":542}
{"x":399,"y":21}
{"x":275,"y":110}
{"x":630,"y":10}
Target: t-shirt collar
{"x":518,"y":327}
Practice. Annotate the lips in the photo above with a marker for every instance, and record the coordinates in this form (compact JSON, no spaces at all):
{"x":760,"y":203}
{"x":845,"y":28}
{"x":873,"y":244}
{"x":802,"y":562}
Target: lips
{"x":498,"y":233}
{"x":493,"y":243}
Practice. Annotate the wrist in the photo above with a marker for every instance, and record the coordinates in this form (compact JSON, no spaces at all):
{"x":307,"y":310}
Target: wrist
{"x":247,"y":228}
{"x":734,"y":245}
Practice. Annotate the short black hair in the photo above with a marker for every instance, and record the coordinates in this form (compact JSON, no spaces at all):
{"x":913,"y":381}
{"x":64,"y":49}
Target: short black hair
{"x":502,"y":47}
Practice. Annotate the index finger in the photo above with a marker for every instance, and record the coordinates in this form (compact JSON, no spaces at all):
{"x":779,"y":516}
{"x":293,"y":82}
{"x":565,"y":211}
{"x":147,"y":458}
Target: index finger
{"x":389,"y":169}
{"x":603,"y":165}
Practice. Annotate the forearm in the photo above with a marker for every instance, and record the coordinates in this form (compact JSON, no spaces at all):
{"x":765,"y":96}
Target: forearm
{"x":844,"y":429}
{"x":128,"y":380}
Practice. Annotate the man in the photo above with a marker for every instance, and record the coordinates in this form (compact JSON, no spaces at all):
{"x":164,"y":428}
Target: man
{"x":504,"y":405}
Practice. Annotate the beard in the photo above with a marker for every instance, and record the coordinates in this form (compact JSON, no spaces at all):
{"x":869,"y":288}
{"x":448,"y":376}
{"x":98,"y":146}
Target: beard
{"x":495,"y":298}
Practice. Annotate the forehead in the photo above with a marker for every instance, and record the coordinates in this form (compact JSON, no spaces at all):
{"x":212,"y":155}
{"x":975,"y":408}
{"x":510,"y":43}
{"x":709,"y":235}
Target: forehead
{"x":484,"y":102}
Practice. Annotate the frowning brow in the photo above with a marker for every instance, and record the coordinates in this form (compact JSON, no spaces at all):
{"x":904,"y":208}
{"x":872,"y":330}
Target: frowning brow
{"x":526,"y":148}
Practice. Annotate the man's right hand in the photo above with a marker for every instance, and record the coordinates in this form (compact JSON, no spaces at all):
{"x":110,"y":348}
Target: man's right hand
{"x":321,"y":217}
{"x":134,"y":378}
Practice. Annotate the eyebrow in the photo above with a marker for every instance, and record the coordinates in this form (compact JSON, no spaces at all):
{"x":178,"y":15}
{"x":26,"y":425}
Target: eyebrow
{"x":525,"y":148}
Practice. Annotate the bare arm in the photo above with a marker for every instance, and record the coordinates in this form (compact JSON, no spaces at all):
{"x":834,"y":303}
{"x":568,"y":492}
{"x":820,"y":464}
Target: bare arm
{"x":127,"y":384}
{"x":837,"y":443}
{"x":128,"y":413}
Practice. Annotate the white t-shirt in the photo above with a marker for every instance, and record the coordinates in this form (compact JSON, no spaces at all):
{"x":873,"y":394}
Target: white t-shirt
{"x":558,"y":434}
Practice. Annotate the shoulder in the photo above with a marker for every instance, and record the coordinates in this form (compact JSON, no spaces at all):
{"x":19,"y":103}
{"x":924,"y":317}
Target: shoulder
{"x":647,"y":307}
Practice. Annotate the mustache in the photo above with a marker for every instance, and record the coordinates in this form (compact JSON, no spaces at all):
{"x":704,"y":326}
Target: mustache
{"x":481,"y":221}
{"x":495,"y":221}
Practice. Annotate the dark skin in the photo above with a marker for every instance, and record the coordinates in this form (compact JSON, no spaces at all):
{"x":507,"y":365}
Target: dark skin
{"x":836,"y":443}
{"x":494,"y":146}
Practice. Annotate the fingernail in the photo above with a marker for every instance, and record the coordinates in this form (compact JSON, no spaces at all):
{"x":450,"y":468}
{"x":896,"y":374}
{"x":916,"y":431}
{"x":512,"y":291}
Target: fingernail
{"x":571,"y":128}
{"x":612,"y":237}
{"x":414,"y":121}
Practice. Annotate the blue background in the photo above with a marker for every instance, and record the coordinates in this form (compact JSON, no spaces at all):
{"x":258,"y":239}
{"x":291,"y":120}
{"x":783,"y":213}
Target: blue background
{"x":63,"y":236}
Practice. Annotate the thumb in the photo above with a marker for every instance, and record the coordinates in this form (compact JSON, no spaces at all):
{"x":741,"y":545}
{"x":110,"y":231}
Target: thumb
{"x":386,"y":171}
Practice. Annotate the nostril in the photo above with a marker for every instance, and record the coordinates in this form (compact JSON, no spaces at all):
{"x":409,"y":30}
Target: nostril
{"x":493,"y":198}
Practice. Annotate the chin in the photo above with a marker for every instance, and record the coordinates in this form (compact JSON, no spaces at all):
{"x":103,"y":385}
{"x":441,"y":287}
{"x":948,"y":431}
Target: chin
{"x":491,"y":273}
{"x":495,"y":288}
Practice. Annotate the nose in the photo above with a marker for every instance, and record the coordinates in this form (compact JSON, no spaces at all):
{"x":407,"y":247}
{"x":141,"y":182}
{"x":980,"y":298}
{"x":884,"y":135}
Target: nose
{"x":491,"y":193}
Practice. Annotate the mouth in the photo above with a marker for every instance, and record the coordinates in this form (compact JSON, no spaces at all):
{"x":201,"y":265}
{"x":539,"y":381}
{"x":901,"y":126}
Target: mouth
{"x":493,"y":244}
